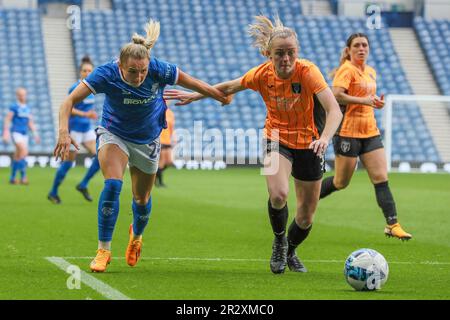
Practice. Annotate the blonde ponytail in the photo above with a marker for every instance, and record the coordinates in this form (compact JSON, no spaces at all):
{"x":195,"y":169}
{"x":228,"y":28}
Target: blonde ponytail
{"x":140,"y":47}
{"x":263,"y":31}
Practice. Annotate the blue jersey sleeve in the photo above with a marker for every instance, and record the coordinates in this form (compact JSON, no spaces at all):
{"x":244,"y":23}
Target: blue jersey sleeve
{"x":13,"y":108}
{"x":98,"y":79}
{"x":167,"y":73}
{"x":73,"y":87}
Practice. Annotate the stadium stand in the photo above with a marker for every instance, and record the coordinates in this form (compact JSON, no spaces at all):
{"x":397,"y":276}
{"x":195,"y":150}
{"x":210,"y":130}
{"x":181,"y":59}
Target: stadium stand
{"x":22,"y":51}
{"x":434,"y":37}
{"x":334,"y":5}
{"x":216,"y":48}
{"x":212,"y":44}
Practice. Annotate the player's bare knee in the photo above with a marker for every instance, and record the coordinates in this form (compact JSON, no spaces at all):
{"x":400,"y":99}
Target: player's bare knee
{"x":379,"y":178}
{"x":141,"y":200}
{"x":21,"y":152}
{"x":304,"y":222}
{"x":279,"y":198}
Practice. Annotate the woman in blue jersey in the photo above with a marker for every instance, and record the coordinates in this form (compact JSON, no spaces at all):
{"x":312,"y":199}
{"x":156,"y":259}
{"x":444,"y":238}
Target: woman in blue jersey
{"x":15,"y":127}
{"x":81,"y":131}
{"x":132,"y":120}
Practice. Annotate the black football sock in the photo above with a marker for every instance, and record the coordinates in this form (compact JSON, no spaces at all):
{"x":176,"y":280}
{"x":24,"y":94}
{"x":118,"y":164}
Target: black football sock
{"x":327,"y":187}
{"x":296,"y":236}
{"x":159,"y":176}
{"x":386,"y":202}
{"x":278,"y":219}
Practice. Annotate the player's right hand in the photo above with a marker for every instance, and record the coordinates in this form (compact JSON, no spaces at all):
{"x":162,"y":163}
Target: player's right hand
{"x":91,"y":114}
{"x":63,"y":146}
{"x":229,"y":98}
{"x":319,"y":146}
{"x":6,"y":138}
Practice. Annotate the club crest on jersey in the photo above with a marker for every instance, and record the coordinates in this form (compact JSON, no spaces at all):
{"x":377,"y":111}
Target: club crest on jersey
{"x":296,"y":88}
{"x":345,"y":146}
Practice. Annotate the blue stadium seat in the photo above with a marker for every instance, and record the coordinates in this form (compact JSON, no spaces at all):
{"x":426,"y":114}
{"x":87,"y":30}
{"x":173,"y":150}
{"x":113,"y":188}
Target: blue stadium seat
{"x":434,"y":36}
{"x":26,"y":68}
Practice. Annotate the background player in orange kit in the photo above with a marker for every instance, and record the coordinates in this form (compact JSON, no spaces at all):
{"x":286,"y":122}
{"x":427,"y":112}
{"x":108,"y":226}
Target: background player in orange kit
{"x":354,"y":86}
{"x":167,"y":139}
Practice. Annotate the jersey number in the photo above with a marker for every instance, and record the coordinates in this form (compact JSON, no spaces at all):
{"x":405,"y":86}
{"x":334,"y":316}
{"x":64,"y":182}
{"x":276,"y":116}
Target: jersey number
{"x":154,"y":150}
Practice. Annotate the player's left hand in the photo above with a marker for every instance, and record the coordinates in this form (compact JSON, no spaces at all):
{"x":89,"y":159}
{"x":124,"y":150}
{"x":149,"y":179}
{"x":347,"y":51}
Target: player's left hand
{"x":379,"y":101}
{"x":184,"y":97}
{"x":319,"y":146}
{"x":63,"y":146}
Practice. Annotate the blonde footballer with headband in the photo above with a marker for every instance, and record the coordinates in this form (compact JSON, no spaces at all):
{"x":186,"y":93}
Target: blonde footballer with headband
{"x":296,"y":123}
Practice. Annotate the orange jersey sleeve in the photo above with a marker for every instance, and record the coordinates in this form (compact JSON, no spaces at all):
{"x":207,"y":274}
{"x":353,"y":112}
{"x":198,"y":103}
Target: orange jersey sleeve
{"x":289,"y":102}
{"x":359,"y":120}
{"x":343,"y":77}
{"x":166,"y":134}
{"x":252,"y":79}
{"x":315,"y":80}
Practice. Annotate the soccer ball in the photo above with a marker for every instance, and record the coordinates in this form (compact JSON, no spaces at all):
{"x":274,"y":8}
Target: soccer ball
{"x":366,"y":270}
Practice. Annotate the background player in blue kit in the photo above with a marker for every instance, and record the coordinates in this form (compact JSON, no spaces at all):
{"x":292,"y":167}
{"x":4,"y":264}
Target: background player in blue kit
{"x":132,"y":120}
{"x":15,"y":127}
{"x":82,"y":133}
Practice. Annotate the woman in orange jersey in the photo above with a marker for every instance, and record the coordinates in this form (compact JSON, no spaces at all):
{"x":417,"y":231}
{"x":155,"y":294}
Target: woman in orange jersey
{"x":354,"y":86}
{"x":288,"y":87}
{"x":167,"y":140}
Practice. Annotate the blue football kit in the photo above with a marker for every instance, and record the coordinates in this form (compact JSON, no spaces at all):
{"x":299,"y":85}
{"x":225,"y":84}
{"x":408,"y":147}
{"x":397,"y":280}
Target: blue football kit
{"x":135,"y":114}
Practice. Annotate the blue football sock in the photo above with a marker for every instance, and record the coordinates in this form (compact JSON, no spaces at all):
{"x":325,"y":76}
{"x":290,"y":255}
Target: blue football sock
{"x":108,"y":209}
{"x":23,"y":168}
{"x":141,"y":214}
{"x":95,"y":166}
{"x":60,"y":175}
{"x":14,"y":167}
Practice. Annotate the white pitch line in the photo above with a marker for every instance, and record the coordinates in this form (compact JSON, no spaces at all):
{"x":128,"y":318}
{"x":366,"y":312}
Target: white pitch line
{"x":258,"y":260}
{"x":99,"y":286}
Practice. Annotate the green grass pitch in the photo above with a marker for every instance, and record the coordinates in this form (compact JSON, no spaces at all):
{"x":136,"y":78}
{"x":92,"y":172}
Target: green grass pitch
{"x":209,"y":238}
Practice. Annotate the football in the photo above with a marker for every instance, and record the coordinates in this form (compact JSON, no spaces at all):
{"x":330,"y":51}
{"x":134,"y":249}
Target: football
{"x":366,"y":270}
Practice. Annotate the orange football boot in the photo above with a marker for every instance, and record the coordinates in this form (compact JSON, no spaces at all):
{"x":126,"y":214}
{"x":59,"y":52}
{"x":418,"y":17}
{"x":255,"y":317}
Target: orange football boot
{"x":396,"y":231}
{"x":101,"y":260}
{"x":133,"y":249}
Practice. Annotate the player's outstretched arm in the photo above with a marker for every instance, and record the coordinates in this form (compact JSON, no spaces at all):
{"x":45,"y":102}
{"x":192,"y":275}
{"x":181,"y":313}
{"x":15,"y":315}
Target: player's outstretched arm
{"x":64,"y":140}
{"x":229,"y":88}
{"x":202,"y":87}
{"x":334,"y":118}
